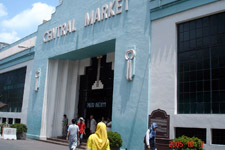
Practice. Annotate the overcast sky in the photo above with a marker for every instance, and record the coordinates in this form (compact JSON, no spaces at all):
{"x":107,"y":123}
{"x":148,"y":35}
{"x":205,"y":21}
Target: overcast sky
{"x":19,"y":18}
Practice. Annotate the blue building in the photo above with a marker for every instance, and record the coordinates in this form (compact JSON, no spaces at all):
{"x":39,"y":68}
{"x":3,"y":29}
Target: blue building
{"x":121,"y":59}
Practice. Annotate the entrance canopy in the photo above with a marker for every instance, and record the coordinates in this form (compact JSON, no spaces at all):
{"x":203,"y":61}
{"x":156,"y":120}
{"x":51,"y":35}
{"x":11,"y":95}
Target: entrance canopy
{"x":90,"y":51}
{"x":66,"y":72}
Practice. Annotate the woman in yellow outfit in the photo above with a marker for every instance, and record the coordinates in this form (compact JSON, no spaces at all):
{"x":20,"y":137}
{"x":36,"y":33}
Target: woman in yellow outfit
{"x":99,"y":140}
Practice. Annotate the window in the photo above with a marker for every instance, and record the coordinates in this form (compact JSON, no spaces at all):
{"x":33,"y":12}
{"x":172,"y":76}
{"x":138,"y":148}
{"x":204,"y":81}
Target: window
{"x":17,"y":120}
{"x":218,"y":136}
{"x":201,"y":66}
{"x":3,"y":120}
{"x":11,"y":89}
{"x":10,"y":120}
{"x":191,"y":132}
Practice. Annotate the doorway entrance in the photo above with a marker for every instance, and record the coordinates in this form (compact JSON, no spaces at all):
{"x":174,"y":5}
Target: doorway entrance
{"x":96,"y":90}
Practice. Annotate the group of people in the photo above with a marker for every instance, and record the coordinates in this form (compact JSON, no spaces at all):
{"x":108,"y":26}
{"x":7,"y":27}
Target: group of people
{"x":93,"y":123}
{"x":98,"y":140}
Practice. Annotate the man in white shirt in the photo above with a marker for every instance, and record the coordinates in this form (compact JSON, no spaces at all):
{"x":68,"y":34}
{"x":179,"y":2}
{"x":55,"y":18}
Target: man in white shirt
{"x":92,"y":124}
{"x":73,"y":135}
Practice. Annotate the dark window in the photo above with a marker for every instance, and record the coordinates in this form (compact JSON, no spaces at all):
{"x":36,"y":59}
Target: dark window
{"x":10,"y":121}
{"x":191,"y":132}
{"x":201,"y":66}
{"x":17,"y":120}
{"x":218,"y":136}
{"x":11,"y":89}
{"x":3,"y":120}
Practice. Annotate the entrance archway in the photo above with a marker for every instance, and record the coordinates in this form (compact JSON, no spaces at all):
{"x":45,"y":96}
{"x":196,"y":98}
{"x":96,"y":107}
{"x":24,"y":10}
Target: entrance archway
{"x":96,"y":90}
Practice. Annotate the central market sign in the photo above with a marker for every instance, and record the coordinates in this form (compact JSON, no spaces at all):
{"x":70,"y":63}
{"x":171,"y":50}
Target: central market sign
{"x":106,"y":11}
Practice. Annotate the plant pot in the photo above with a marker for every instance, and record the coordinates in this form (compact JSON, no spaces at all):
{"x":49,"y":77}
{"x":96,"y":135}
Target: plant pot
{"x":21,"y":136}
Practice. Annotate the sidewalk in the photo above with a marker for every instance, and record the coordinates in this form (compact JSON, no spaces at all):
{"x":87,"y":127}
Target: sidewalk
{"x":29,"y":145}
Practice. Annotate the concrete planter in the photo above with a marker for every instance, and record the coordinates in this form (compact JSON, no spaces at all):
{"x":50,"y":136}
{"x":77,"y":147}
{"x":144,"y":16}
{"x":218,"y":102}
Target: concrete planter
{"x":21,"y":136}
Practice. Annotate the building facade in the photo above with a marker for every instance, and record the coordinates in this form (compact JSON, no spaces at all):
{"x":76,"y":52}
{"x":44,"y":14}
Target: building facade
{"x":187,"y":48}
{"x":121,"y":59}
{"x":15,"y":75}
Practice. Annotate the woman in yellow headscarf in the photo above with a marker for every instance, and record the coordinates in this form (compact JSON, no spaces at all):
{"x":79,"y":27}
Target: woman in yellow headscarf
{"x":99,"y":140}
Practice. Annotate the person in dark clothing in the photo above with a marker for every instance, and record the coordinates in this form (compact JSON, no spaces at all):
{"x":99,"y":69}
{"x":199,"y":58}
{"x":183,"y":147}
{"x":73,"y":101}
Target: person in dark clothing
{"x":64,"y":125}
{"x":150,"y":137}
{"x":77,"y":118}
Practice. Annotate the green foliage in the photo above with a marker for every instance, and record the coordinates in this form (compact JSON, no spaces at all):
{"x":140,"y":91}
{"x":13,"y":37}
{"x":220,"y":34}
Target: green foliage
{"x":115,"y":139}
{"x":193,"y":143}
{"x":3,"y":125}
{"x":20,"y":127}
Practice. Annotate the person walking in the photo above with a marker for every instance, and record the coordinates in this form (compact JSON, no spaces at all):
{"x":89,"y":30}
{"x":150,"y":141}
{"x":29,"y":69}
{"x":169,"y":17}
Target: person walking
{"x":109,"y":124}
{"x":73,"y":135}
{"x":77,"y":118}
{"x":82,"y":128}
{"x":64,"y":125}
{"x":92,"y":124}
{"x":99,"y":140}
{"x":103,"y":120}
{"x":150,"y":137}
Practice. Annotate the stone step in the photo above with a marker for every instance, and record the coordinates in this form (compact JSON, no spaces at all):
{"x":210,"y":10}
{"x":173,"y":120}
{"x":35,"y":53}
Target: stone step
{"x":63,"y":142}
{"x":54,"y":142}
{"x":57,"y":139}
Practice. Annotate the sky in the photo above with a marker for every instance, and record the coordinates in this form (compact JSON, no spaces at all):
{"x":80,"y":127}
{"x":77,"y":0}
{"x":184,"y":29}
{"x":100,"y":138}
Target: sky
{"x":19,"y":18}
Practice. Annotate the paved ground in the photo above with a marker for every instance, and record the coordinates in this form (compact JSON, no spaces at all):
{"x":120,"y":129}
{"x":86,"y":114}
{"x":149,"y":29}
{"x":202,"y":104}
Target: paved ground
{"x":29,"y":145}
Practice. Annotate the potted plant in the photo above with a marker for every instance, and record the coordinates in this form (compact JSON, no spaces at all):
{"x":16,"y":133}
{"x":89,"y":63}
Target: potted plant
{"x":21,"y":130}
{"x":115,"y":140}
{"x":193,"y":143}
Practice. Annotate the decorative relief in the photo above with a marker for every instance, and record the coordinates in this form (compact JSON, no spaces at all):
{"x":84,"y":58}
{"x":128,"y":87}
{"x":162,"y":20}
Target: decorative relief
{"x":98,"y":83}
{"x":129,"y":56}
{"x":37,"y":76}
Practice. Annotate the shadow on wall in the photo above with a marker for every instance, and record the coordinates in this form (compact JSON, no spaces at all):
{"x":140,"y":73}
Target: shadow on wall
{"x":128,"y":85}
{"x":125,"y":98}
{"x":165,"y":54}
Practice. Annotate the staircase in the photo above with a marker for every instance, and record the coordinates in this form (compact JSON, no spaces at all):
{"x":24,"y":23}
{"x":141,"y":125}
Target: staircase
{"x":64,"y":142}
